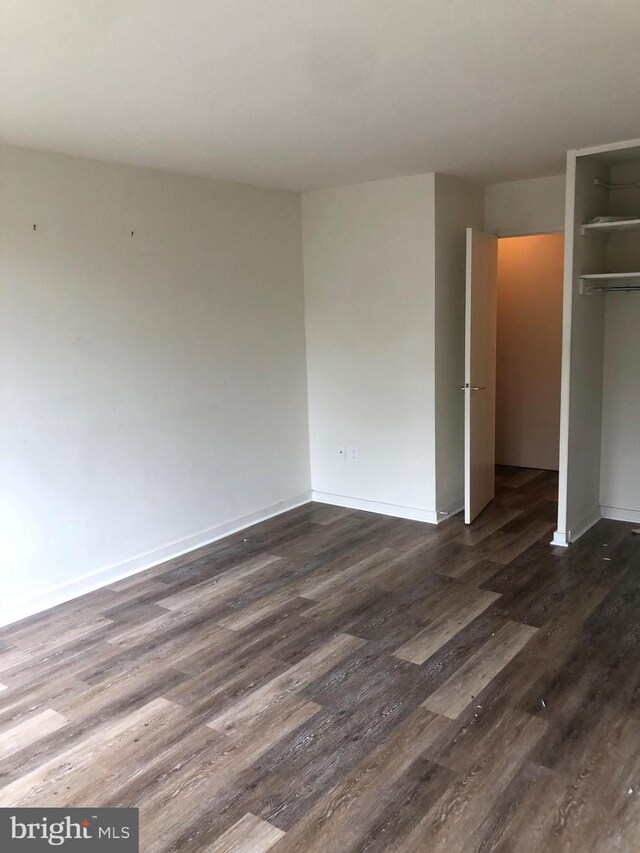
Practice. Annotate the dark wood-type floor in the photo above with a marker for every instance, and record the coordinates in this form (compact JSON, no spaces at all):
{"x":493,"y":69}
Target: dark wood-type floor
{"x":333,"y":680}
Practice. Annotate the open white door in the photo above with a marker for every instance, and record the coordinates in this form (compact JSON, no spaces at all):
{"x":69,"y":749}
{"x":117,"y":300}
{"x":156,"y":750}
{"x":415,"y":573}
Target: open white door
{"x":480,"y":373}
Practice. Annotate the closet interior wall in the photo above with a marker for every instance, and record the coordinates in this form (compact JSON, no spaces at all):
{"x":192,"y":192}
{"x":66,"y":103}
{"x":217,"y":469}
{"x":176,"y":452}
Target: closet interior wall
{"x":620,"y":457}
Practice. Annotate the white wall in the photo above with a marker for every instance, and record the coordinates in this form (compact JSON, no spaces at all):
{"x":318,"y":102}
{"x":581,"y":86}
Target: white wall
{"x":529,"y":350}
{"x":369,"y":289}
{"x":153,"y":389}
{"x":458,"y":206}
{"x":534,"y":206}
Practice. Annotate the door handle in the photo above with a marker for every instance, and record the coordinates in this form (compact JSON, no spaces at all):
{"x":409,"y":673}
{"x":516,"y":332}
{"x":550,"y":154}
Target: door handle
{"x":478,"y":387}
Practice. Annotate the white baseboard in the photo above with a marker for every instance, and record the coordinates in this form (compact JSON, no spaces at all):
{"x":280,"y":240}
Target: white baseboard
{"x":68,"y":590}
{"x":565,"y":538}
{"x":618,"y":514}
{"x":396,"y":510}
{"x":443,"y":516}
{"x":586,"y":524}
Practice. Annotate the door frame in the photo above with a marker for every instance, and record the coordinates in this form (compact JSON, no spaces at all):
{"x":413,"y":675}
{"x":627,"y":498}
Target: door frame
{"x":516,"y":232}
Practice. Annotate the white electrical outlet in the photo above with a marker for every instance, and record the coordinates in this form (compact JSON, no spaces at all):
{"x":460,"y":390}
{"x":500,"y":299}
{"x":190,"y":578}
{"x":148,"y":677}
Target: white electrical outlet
{"x":341,"y":450}
{"x":353,"y":454}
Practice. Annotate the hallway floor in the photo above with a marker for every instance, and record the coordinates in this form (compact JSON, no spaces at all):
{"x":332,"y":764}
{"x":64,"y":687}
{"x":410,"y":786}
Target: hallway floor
{"x":333,"y":680}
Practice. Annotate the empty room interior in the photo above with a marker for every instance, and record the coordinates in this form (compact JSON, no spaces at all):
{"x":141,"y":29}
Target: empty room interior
{"x":320,"y":426}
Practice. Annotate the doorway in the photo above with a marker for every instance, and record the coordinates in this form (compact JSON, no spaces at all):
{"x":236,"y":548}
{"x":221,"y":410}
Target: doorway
{"x":513,"y":359}
{"x":529,"y":350}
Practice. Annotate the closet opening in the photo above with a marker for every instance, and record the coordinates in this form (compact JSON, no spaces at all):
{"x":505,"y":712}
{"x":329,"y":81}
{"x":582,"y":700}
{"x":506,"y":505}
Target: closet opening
{"x":600,"y":424}
{"x":529,"y":352}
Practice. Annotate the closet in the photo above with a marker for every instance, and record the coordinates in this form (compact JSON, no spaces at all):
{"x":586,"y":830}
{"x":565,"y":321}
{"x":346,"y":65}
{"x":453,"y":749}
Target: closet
{"x":600,"y":396}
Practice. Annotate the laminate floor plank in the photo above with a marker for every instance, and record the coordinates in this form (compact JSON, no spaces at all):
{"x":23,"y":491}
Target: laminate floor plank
{"x":473,"y":676}
{"x":78,"y":766}
{"x":427,"y":641}
{"x":248,"y":835}
{"x":331,"y":679}
{"x":24,"y":734}
{"x":251,"y":706}
{"x":220,"y":585}
{"x":345,"y":816}
{"x":336,"y":583}
{"x":186,"y":804}
{"x":455,"y":821}
{"x":23,"y":701}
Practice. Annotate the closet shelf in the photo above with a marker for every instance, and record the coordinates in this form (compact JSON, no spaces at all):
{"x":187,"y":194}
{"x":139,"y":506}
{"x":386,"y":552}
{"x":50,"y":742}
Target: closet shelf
{"x":611,"y":227}
{"x":601,"y":276}
{"x":610,"y":282}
